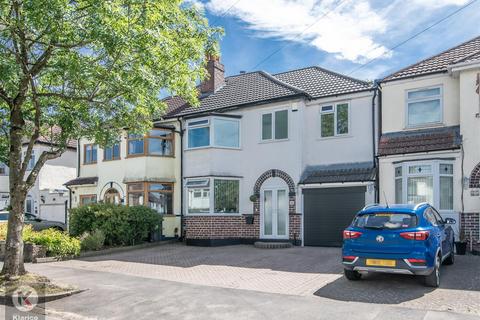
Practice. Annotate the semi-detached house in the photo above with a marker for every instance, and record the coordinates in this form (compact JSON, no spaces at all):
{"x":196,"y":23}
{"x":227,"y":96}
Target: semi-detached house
{"x":429,"y":150}
{"x":286,"y":156}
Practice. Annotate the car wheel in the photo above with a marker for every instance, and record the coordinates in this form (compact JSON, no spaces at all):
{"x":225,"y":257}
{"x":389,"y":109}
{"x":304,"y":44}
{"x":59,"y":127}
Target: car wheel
{"x":433,"y":279}
{"x":451,"y":257}
{"x":352,"y":275}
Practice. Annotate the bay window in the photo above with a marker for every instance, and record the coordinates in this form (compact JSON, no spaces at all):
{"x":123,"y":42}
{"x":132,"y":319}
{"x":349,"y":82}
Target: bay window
{"x":334,"y":120}
{"x":220,"y":132}
{"x":424,"y":106}
{"x":213,"y":196}
{"x":157,"y":142}
{"x":86,"y":199}
{"x":275,"y":125}
{"x":155,"y":195}
{"x":430,"y":182}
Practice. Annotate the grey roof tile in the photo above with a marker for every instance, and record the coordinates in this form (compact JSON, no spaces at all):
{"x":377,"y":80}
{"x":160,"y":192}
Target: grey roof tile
{"x":466,"y":52}
{"x":339,"y":173}
{"x":423,"y":140}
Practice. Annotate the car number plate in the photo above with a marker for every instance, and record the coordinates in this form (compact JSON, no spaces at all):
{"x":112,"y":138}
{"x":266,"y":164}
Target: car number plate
{"x":381,"y":263}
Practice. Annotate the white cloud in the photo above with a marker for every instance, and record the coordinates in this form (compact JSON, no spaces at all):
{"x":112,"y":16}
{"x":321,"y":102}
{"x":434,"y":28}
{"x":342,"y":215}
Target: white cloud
{"x":195,"y":3}
{"x":347,"y":29}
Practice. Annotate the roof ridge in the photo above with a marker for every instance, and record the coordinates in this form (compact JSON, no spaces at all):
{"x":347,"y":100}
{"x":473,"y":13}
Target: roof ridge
{"x":430,"y":57}
{"x":304,"y":68}
{"x":342,"y":75}
{"x":282,"y":83}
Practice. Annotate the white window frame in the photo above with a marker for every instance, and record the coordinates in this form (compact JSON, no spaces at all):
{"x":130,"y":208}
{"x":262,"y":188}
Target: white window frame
{"x":435,"y":164}
{"x":334,"y":111}
{"x":272,"y":112}
{"x":408,"y":101}
{"x":211,"y":187}
{"x":211,"y":125}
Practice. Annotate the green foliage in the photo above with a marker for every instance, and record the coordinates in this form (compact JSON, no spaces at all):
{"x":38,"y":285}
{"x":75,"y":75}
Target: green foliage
{"x":92,"y":241}
{"x":57,"y":243}
{"x":121,"y":225}
{"x":27,"y":231}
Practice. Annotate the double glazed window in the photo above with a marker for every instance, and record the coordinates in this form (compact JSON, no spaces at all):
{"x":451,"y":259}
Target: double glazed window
{"x":89,"y":153}
{"x":158,"y":142}
{"x":87,"y":199}
{"x":424,"y":106}
{"x":112,"y":152}
{"x":213,"y":196}
{"x":430,"y":182}
{"x":215,"y":132}
{"x":275,"y":125}
{"x":158,"y":196}
{"x":334,"y":120}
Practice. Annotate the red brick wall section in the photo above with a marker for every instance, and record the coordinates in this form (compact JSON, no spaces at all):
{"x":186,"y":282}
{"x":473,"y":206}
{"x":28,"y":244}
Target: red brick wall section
{"x":295,"y":222}
{"x":471,"y":224}
{"x":218,"y":227}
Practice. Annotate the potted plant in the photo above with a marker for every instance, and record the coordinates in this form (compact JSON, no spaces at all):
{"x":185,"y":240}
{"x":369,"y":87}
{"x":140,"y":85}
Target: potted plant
{"x":461,"y":244}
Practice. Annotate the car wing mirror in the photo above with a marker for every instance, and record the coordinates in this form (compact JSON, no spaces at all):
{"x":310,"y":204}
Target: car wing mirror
{"x":450,"y":221}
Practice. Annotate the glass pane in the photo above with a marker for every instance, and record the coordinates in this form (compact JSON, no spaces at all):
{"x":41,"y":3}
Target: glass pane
{"x":161,"y":202}
{"x":135,"y":146}
{"x":199,"y":137}
{"x":419,"y":94}
{"x":198,"y":200}
{"x":281,"y":124}
{"x":135,"y":187}
{"x":28,"y":206}
{"x":227,"y":133}
{"x":160,"y":133}
{"x":398,"y":171}
{"x":398,"y":191}
{"x":327,"y":121}
{"x":282,"y":212}
{"x":267,"y":126}
{"x":342,"y":118}
{"x":267,"y":213}
{"x":108,"y":153}
{"x":197,"y":123}
{"x":424,"y":112}
{"x":327,"y":108}
{"x":94,"y":153}
{"x":135,"y":199}
{"x":160,"y":187}
{"x":160,"y":147}
{"x":420,"y":169}
{"x":420,"y":189}
{"x":198,"y":183}
{"x":88,"y":154}
{"x":226,"y":196}
{"x":446,"y":193}
{"x":116,"y":151}
{"x":446,"y":168}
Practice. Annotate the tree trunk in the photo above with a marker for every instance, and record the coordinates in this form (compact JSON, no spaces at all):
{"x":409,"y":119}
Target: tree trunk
{"x":13,"y":262}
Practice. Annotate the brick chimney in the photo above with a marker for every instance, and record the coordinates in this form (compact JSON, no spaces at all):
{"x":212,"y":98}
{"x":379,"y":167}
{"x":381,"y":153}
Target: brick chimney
{"x":216,"y":75}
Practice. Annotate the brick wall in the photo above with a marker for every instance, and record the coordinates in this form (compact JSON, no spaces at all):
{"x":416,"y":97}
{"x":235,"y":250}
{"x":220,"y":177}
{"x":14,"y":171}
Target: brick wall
{"x":471,"y":223}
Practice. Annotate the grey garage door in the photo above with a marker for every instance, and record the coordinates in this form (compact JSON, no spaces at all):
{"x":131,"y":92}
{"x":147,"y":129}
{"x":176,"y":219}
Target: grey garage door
{"x":328,"y":211}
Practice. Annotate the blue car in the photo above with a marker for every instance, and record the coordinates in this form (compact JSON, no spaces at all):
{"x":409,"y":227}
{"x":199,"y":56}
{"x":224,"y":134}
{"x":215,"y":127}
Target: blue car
{"x":405,"y":239}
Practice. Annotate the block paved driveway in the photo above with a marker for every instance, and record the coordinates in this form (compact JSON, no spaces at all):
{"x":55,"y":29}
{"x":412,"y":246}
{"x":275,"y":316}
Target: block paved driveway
{"x":308,"y":271}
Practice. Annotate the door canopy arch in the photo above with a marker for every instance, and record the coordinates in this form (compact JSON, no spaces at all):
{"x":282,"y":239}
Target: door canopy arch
{"x":272,"y":174}
{"x":475,"y":177}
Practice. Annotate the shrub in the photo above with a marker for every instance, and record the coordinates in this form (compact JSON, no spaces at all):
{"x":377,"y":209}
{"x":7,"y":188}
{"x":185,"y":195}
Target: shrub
{"x":27,"y":231}
{"x":57,"y":243}
{"x":121,"y":225}
{"x":92,"y":241}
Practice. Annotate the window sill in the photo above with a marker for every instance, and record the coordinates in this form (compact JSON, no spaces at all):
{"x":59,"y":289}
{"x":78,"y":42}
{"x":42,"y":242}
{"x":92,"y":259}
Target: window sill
{"x":213,"y":147}
{"x":85,"y":164}
{"x":214,"y":214}
{"x":111,"y":160}
{"x":342,"y":136}
{"x":146,"y":156}
{"x":424,"y":126}
{"x":273,"y":141}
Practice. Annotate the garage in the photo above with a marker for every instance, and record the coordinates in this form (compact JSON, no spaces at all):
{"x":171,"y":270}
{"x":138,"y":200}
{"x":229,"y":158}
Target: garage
{"x":327,"y":211}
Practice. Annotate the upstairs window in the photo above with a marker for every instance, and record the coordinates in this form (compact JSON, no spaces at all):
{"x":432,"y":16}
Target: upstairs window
{"x":157,"y":142}
{"x":275,"y":125}
{"x":424,"y":106}
{"x":334,"y":120}
{"x":112,"y":152}
{"x":215,"y":132}
{"x":32,"y":161}
{"x":89,"y":154}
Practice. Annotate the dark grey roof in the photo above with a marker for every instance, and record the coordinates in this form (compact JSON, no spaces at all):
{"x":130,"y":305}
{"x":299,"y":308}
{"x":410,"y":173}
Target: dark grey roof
{"x":423,"y":140}
{"x":466,"y":52}
{"x":342,"y":172}
{"x":81,"y":181}
{"x":262,"y":87}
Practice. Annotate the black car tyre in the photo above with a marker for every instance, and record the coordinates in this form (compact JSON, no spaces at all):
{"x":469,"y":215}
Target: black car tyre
{"x":451,"y":257}
{"x":352,"y":275}
{"x":433,"y":279}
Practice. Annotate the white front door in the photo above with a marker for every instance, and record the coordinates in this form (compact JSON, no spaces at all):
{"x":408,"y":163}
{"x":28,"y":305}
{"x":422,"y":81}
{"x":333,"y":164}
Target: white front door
{"x":274,"y":217}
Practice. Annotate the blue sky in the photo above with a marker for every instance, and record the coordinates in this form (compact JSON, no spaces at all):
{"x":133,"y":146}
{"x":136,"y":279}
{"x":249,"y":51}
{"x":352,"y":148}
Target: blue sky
{"x":340,"y":35}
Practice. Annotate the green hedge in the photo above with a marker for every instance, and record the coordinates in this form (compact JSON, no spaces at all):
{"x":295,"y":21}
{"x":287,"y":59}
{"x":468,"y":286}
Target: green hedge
{"x":121,"y":225}
{"x":57,"y":243}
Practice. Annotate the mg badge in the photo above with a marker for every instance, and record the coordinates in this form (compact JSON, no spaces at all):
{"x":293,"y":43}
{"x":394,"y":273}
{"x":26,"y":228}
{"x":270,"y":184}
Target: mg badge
{"x":379,"y":239}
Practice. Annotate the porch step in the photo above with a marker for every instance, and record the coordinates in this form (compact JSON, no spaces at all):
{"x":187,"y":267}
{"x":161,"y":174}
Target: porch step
{"x":272,"y":245}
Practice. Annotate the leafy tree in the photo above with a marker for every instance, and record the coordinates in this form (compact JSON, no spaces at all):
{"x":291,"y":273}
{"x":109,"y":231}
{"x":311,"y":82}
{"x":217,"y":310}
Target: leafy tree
{"x":73,"y":69}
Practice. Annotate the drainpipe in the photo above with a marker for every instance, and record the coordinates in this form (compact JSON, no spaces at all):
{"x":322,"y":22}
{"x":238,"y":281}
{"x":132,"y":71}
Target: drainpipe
{"x":78,"y":158}
{"x":181,"y":177}
{"x":377,"y":95}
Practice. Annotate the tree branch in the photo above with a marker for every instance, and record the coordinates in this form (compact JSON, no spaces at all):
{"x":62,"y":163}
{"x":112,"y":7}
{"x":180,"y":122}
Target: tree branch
{"x":44,"y":157}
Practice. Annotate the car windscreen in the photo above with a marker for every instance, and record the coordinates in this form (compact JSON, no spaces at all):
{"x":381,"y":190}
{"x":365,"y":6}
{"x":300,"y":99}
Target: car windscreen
{"x":385,"y":220}
{"x":3,"y":216}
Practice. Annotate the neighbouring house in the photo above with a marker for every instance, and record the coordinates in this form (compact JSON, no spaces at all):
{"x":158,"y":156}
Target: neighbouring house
{"x":48,"y":198}
{"x":278,"y":157}
{"x":135,"y":170}
{"x":429,"y":149}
